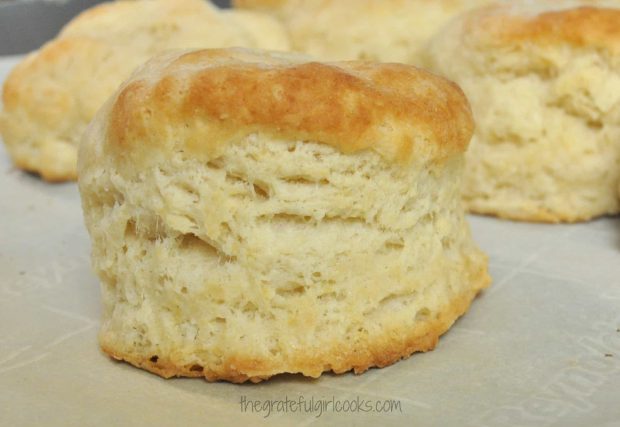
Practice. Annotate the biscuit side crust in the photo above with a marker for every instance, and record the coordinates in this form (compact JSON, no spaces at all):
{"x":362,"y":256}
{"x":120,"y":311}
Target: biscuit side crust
{"x":393,"y":347}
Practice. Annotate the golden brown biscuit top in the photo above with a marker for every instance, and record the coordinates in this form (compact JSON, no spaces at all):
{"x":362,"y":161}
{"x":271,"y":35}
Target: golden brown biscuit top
{"x":577,"y":23}
{"x":196,"y":102}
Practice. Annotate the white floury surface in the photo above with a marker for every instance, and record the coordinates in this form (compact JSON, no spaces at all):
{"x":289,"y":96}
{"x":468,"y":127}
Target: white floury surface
{"x":531,"y":351}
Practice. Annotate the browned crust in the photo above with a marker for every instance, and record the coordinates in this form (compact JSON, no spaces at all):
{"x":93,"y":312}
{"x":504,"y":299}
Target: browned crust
{"x":581,"y":26}
{"x":15,"y":89}
{"x":209,"y":97}
{"x":392,"y":347}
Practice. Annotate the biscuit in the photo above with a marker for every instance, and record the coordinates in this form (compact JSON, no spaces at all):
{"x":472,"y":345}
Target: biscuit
{"x":543,"y":79}
{"x":253,"y":214}
{"x":50,"y":97}
{"x":375,"y":30}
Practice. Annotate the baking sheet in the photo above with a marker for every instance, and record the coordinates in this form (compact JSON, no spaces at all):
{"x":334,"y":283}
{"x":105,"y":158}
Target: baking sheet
{"x":541,"y":347}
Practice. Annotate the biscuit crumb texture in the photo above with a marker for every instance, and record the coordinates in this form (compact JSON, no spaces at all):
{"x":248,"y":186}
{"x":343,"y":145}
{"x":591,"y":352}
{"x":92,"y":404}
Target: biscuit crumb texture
{"x":544,"y":84}
{"x":279,"y":256}
{"x":50,"y":97}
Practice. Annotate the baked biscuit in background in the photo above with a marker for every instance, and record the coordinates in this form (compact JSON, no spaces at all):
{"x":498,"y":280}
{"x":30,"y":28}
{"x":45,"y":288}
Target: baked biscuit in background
{"x":253,"y":214}
{"x":375,"y":30}
{"x":543,"y":79}
{"x":50,"y":97}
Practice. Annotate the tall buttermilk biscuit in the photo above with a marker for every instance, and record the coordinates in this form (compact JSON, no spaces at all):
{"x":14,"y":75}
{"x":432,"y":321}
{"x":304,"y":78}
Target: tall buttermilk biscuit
{"x":543,"y":79}
{"x":378,"y":30}
{"x":51,"y":96}
{"x":252,"y":214}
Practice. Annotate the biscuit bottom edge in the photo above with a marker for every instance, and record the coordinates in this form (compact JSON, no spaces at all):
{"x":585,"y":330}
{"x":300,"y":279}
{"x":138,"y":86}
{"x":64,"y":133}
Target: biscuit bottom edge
{"x":393,"y":346}
{"x":44,"y":165}
{"x":535,"y":214}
